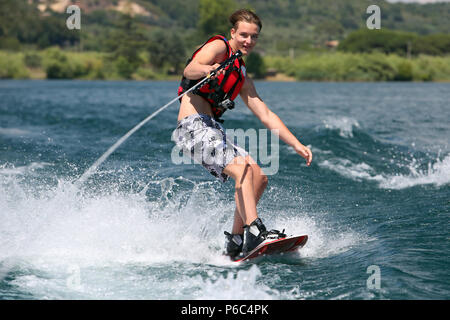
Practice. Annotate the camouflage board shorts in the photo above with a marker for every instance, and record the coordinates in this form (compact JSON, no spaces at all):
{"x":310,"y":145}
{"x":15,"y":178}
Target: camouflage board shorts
{"x":204,"y":139}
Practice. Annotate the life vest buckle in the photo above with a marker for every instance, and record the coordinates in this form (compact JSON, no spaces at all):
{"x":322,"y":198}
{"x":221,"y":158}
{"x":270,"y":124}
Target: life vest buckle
{"x":226,"y":104}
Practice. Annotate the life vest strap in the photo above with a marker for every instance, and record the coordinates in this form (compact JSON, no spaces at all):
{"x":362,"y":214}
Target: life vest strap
{"x":214,"y":91}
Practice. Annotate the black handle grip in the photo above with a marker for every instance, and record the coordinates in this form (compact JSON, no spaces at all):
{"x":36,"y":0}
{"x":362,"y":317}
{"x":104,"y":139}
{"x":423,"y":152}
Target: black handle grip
{"x":227,"y":62}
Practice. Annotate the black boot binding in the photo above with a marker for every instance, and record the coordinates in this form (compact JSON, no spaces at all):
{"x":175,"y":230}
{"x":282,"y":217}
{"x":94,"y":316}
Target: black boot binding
{"x":256,"y":233}
{"x":233,"y":244}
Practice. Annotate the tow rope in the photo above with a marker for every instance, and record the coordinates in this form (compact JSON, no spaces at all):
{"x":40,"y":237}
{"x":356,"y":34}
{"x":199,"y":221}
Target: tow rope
{"x":113,"y":148}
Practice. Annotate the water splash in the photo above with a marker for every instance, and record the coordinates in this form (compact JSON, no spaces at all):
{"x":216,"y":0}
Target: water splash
{"x":240,"y":285}
{"x":436,"y":173}
{"x":344,"y":125}
{"x":123,"y":237}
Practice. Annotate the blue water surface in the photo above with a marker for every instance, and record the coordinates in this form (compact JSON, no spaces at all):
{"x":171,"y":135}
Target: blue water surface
{"x":375,"y":202}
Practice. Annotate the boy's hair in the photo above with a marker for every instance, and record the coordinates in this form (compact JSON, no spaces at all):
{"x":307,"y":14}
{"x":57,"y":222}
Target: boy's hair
{"x":244,"y":15}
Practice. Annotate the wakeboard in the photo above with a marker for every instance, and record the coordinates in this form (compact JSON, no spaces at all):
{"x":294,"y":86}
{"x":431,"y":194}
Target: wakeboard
{"x":275,"y":246}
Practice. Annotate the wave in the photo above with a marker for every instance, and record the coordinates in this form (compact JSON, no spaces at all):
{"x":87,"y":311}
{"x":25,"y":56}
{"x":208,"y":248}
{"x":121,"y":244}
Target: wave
{"x":14,"y":132}
{"x":344,"y":125}
{"x":239,"y":285}
{"x":408,"y":172}
{"x":437,"y":173}
{"x":8,"y":169}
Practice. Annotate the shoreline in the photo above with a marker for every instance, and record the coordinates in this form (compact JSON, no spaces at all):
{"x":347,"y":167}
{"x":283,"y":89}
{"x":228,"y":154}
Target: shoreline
{"x":332,"y":67}
{"x":278,"y":78}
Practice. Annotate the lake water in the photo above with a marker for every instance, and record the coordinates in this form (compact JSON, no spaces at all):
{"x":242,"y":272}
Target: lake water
{"x":375,"y":202}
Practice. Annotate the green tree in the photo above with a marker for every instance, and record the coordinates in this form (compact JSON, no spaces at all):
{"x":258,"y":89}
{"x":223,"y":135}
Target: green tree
{"x":255,"y":65}
{"x":386,"y":41}
{"x":213,"y":16}
{"x":32,"y":60}
{"x":125,"y":43}
{"x":404,"y":72}
{"x":167,"y":48}
{"x":330,"y":29}
{"x":21,"y":21}
{"x":433,"y":44}
{"x":401,"y":43}
{"x":176,"y":52}
{"x":57,"y":65}
{"x":124,"y":68}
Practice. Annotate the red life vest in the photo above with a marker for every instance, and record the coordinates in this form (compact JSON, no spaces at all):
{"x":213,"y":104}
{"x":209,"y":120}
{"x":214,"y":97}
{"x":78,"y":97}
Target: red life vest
{"x":221,"y":91}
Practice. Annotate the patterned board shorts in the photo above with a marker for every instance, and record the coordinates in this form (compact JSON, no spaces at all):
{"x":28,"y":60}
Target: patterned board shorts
{"x":204,"y":139}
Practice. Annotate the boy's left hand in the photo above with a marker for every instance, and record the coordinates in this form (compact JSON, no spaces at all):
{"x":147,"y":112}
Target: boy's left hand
{"x":305,"y":152}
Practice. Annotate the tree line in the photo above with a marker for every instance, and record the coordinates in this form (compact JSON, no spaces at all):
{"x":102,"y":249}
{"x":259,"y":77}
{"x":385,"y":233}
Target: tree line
{"x":396,"y":42}
{"x":148,"y":46}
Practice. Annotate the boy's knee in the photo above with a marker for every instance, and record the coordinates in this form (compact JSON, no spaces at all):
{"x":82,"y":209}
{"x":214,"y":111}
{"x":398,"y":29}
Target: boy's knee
{"x":264,"y":180}
{"x":261,"y":179}
{"x":245,"y":174}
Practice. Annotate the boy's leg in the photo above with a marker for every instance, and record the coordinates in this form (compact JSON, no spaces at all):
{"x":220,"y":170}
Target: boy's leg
{"x":259,"y":185}
{"x":242,"y":173}
{"x":250,"y":183}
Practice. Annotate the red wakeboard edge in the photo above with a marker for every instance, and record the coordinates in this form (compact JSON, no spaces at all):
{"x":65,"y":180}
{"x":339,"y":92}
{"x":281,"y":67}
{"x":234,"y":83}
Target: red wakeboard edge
{"x":276,"y":246}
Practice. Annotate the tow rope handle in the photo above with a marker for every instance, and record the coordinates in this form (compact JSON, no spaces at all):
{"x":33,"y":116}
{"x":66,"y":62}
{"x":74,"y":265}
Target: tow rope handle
{"x":225,"y":64}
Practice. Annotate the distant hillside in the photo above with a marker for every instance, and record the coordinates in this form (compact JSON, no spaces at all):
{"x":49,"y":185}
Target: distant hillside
{"x":297,"y":24}
{"x":312,"y":40}
{"x":301,"y":22}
